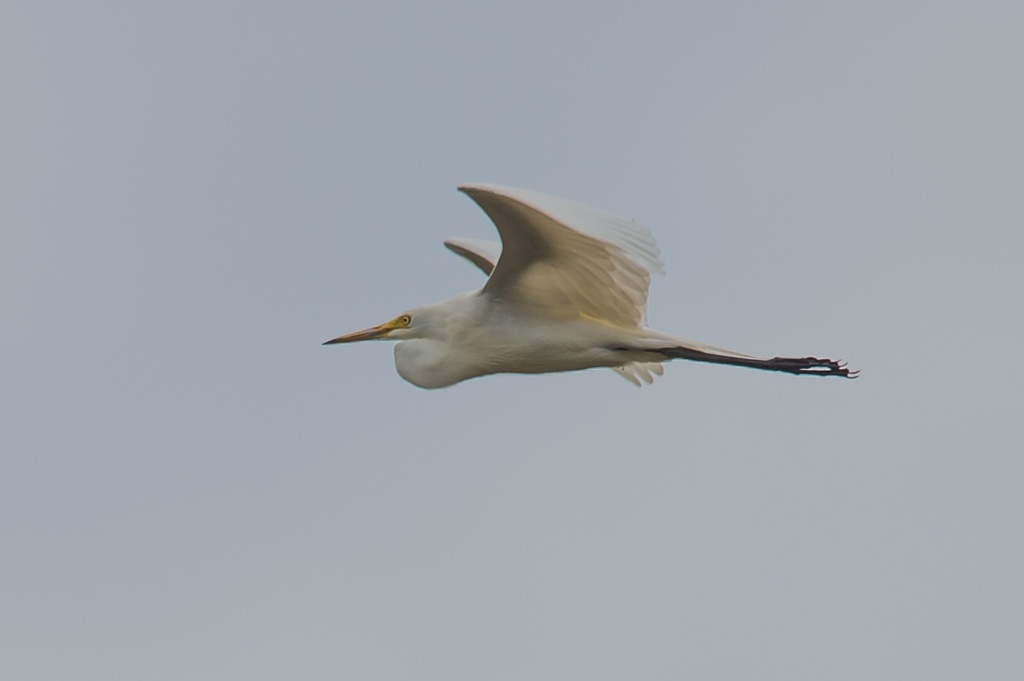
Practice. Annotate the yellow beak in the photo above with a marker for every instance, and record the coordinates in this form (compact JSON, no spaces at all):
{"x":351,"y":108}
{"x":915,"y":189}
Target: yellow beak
{"x":373,"y":333}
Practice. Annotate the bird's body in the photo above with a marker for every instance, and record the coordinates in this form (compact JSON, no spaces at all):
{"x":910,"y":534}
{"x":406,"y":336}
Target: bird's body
{"x":470,"y":336}
{"x":567,"y":291}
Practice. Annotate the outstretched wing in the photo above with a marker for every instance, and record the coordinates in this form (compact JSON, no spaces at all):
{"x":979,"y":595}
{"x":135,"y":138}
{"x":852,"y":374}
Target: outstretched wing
{"x":483,"y":254}
{"x":565,"y":260}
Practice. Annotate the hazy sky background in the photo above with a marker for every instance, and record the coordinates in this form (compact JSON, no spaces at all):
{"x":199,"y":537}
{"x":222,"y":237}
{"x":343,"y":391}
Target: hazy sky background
{"x":197,"y":194}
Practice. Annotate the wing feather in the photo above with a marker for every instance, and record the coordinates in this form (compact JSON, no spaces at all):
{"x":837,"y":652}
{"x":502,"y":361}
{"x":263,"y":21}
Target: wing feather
{"x":566,"y":260}
{"x":483,"y":254}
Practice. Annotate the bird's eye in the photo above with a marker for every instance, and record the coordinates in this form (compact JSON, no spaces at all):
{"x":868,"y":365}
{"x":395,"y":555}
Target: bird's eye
{"x":405,"y":320}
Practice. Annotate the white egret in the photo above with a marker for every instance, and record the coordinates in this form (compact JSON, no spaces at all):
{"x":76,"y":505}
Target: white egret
{"x":567,"y":290}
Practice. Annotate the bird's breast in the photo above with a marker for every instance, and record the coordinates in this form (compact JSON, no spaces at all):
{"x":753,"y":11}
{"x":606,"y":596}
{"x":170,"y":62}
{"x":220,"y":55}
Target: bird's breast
{"x":493,"y":343}
{"x":430,"y":363}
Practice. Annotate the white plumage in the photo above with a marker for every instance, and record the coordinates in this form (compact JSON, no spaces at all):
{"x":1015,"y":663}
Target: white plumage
{"x":567,"y":289}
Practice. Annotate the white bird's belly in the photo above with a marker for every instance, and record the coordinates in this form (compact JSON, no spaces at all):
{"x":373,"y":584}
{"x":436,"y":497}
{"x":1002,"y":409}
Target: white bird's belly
{"x":509,"y":344}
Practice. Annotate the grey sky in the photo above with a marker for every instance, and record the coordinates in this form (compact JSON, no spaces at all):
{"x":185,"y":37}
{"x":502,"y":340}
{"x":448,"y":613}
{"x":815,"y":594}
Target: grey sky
{"x":198,"y":193}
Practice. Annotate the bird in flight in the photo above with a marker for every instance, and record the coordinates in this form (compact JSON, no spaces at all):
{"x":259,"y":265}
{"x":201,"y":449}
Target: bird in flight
{"x":566,"y":290}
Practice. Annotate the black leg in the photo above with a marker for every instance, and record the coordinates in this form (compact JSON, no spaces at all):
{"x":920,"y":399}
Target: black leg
{"x":808,"y":366}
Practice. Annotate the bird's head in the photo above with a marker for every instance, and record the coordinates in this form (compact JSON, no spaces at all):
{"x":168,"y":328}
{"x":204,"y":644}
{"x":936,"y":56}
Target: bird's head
{"x":402,"y":327}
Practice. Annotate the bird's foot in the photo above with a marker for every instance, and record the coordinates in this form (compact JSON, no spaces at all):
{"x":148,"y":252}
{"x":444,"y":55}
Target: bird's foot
{"x":812,"y":366}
